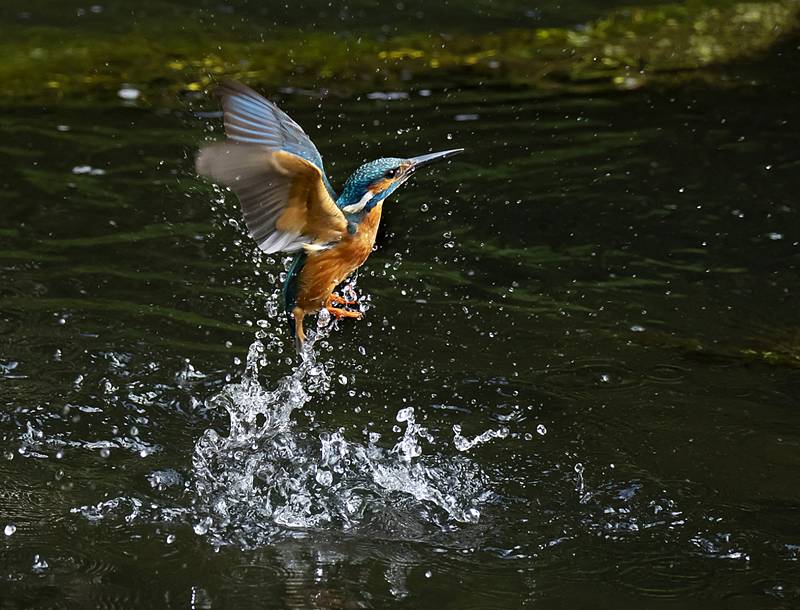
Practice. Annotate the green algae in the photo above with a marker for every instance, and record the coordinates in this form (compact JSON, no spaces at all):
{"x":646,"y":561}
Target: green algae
{"x":627,"y":49}
{"x":774,"y":348}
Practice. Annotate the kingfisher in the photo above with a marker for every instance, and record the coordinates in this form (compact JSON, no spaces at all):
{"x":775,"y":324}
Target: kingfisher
{"x":289,"y":205}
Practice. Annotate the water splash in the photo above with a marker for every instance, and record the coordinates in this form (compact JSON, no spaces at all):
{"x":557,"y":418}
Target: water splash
{"x":270,"y":478}
{"x":462,"y":443}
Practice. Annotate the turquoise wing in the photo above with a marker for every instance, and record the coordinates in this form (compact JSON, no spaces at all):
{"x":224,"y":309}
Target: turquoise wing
{"x":252,"y":119}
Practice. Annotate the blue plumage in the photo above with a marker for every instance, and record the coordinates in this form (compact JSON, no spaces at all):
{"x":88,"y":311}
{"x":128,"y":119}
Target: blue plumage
{"x":364,"y":177}
{"x":289,"y":205}
{"x":251,"y":119}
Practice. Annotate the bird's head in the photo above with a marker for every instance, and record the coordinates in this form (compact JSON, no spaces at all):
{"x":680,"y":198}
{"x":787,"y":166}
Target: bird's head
{"x":375,"y":181}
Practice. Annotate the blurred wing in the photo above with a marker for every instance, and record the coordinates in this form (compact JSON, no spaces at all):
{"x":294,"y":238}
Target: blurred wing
{"x":286,"y":205}
{"x":252,"y":119}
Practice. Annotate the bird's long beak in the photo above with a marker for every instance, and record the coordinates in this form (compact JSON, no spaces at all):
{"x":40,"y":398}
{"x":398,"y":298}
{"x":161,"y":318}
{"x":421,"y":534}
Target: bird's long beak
{"x":422,"y":160}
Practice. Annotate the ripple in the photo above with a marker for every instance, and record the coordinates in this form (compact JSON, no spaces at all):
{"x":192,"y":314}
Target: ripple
{"x":667,"y":374}
{"x":258,"y":571}
{"x":89,"y":564}
{"x":588,"y":377}
{"x":10,"y":321}
{"x":26,"y":503}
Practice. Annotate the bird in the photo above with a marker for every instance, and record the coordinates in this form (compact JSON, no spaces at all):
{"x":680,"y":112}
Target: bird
{"x":289,"y":205}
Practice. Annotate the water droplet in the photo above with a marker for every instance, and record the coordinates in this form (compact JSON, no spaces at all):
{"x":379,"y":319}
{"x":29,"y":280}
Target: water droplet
{"x":10,"y":529}
{"x":39,"y":564}
{"x":88,"y":169}
{"x":171,"y":538}
{"x":343,"y":379}
{"x":324,"y":477}
{"x":541,"y":430}
{"x":405,"y":414}
{"x":201,"y":527}
{"x":105,"y":452}
{"x":128,"y":93}
{"x":428,"y":574}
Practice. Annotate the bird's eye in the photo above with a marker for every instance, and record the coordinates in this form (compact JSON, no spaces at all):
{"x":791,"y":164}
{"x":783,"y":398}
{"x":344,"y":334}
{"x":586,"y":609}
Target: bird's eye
{"x":390,"y":173}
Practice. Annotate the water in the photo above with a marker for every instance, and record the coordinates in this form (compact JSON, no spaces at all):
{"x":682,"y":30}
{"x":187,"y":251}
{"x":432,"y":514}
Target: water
{"x":575,"y":384}
{"x":268,"y":476}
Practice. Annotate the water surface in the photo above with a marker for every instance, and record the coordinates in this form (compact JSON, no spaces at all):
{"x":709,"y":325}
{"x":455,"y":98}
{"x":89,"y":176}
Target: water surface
{"x":606,"y":283}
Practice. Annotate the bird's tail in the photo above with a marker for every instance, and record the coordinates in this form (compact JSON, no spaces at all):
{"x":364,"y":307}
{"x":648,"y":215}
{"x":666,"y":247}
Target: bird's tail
{"x":299,"y":333}
{"x":290,"y":288}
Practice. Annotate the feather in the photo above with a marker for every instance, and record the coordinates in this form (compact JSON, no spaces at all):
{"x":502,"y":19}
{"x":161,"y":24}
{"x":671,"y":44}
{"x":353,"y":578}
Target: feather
{"x":354,"y":208}
{"x":286,"y":206}
{"x":276,"y":171}
{"x":252,"y":119}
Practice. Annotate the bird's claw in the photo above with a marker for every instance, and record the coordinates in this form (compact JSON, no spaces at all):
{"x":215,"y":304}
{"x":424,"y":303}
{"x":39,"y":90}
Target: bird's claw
{"x":335,"y":298}
{"x":338,"y":312}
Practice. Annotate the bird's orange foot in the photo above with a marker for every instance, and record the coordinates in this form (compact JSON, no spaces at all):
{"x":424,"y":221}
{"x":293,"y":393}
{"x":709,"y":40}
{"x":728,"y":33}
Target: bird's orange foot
{"x":337,"y":312}
{"x":335,"y":298}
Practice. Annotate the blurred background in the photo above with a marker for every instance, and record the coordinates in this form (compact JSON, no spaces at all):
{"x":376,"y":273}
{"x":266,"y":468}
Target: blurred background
{"x":602,"y":288}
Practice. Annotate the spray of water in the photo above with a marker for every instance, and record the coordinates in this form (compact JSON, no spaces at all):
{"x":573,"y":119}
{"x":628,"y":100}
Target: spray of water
{"x":272,"y":476}
{"x":269,"y":477}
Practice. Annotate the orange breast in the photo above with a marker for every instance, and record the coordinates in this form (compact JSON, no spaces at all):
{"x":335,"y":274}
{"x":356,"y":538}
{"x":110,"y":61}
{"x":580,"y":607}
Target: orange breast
{"x":325,"y":270}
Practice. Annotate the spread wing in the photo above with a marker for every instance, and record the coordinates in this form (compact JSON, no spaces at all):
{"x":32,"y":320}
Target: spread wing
{"x":276,"y":171}
{"x":286,"y":205}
